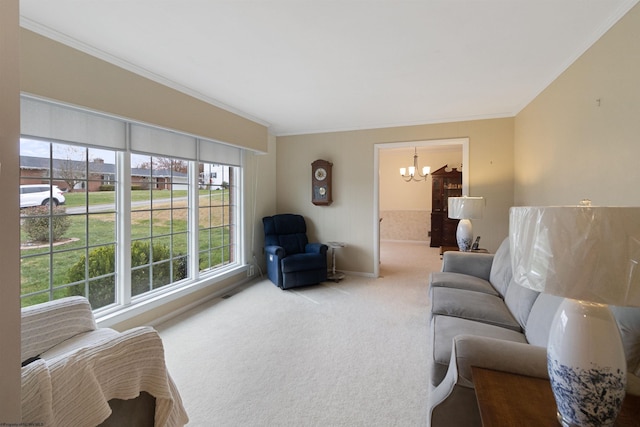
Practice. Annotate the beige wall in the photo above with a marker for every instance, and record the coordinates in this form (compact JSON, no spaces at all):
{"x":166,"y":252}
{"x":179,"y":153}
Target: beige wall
{"x":351,"y":217}
{"x":52,"y":70}
{"x":569,"y":146}
{"x":9,"y":218}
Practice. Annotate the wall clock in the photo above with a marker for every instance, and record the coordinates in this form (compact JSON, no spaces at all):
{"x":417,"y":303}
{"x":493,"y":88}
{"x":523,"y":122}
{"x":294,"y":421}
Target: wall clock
{"x":321,"y":193}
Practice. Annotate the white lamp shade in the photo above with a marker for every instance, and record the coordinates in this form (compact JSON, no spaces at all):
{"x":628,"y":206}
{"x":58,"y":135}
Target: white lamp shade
{"x":466,"y":207}
{"x":586,"y":253}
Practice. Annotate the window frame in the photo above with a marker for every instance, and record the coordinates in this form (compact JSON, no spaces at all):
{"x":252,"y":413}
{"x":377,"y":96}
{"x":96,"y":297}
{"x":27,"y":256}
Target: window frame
{"x":125,"y":305}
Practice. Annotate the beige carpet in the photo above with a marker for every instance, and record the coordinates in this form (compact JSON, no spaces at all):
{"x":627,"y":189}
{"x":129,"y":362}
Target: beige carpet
{"x":347,"y":354}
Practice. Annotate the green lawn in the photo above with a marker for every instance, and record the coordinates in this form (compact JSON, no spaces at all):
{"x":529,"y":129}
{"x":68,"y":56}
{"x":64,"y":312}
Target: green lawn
{"x":39,"y":266}
{"x":107,"y":197}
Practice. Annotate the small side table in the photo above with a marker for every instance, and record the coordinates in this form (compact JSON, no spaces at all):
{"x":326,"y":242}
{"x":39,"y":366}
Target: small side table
{"x":444,"y":249}
{"x":334,"y":275}
{"x":508,"y":399}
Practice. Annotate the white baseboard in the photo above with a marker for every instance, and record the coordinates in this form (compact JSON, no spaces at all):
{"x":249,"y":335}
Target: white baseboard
{"x":417,"y":242}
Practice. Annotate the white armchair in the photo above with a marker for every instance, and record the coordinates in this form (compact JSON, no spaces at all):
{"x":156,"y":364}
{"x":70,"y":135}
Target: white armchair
{"x":77,"y":374}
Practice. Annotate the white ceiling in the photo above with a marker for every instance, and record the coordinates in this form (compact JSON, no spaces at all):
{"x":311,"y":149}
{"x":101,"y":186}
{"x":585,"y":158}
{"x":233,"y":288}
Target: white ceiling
{"x":324,"y":65}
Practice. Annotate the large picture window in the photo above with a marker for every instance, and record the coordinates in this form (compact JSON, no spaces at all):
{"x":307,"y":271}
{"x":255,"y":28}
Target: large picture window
{"x":117,"y":211}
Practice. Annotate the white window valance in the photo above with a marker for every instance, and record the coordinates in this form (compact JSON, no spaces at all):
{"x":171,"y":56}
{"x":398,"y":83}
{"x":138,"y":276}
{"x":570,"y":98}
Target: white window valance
{"x":48,"y":120}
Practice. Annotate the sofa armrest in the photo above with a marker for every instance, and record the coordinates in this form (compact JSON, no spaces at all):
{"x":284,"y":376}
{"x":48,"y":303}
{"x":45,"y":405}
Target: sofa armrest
{"x":471,"y":263}
{"x":507,"y":356}
{"x":453,"y":402}
{"x":75,"y":388}
{"x":500,"y":355}
{"x":48,"y":324}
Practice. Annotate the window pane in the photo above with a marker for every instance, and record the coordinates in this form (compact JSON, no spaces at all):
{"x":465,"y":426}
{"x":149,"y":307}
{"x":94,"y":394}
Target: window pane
{"x":35,"y":158}
{"x":215,"y":215}
{"x":140,"y":253}
{"x":161,"y":274}
{"x":160,"y":215}
{"x":140,"y":280}
{"x":62,"y":262}
{"x":102,"y":291}
{"x":77,"y":232}
{"x":102,"y":228}
{"x":161,"y":221}
{"x":180,"y":244}
{"x":95,"y":279}
{"x":140,"y":224}
{"x":69,"y":166}
{"x":35,"y":271}
{"x":64,"y":228}
{"x":161,"y":249}
{"x":180,"y":270}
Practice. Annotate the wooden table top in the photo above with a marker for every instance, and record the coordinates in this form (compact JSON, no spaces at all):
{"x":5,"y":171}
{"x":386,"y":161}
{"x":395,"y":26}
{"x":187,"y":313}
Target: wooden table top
{"x":507,"y":399}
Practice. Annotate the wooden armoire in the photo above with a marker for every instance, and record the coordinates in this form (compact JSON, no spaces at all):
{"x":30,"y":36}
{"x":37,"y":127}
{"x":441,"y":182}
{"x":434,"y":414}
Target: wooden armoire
{"x":445,"y":184}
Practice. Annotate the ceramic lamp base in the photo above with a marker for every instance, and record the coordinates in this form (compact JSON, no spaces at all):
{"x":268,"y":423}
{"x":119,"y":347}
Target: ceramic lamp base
{"x":586,"y":363}
{"x":464,"y":235}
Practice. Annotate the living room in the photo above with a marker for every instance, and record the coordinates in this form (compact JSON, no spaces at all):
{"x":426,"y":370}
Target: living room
{"x":577,"y":139}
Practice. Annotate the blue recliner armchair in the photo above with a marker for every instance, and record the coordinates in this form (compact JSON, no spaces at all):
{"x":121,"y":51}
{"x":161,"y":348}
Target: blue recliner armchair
{"x":291,"y":260}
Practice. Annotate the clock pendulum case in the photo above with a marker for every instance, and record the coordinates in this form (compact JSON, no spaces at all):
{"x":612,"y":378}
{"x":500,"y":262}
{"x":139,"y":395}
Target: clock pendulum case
{"x":321,"y":182}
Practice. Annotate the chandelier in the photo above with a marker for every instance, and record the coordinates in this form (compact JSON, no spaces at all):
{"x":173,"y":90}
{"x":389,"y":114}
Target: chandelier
{"x":414,"y":169}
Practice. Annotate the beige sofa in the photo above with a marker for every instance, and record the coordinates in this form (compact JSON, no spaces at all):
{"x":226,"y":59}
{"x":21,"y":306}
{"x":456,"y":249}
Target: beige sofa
{"x":75,"y":373}
{"x":480,"y":317}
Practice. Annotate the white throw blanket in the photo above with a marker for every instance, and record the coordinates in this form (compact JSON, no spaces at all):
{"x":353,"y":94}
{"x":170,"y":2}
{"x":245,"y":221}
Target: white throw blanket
{"x":73,"y":389}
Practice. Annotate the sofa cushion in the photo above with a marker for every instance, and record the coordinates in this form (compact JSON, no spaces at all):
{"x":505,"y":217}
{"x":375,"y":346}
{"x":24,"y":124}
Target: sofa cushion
{"x":475,"y":306}
{"x":628,"y":319}
{"x":84,"y":340}
{"x":500,"y":275}
{"x":540,"y":317}
{"x":445,"y":328}
{"x":460,"y":281}
{"x":519,"y":301}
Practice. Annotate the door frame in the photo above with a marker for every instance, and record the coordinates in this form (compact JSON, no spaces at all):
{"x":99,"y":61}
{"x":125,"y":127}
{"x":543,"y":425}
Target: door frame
{"x":463,"y":142}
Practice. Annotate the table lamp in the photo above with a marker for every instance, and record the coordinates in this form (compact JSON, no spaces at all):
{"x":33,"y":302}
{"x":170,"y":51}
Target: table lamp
{"x":465,"y":209}
{"x":589,"y":255}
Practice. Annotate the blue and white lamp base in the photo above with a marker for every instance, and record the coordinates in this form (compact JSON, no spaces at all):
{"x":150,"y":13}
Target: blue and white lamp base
{"x":586,"y":364}
{"x":464,"y":235}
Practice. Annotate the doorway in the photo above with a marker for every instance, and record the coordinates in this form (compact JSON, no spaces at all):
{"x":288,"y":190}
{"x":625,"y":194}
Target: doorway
{"x":405,"y":150}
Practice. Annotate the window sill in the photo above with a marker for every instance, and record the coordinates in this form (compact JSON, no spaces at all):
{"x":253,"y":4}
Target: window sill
{"x":118,"y":315}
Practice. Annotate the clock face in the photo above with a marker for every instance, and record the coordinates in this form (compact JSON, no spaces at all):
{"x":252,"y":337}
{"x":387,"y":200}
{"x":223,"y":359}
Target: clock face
{"x":320,"y":174}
